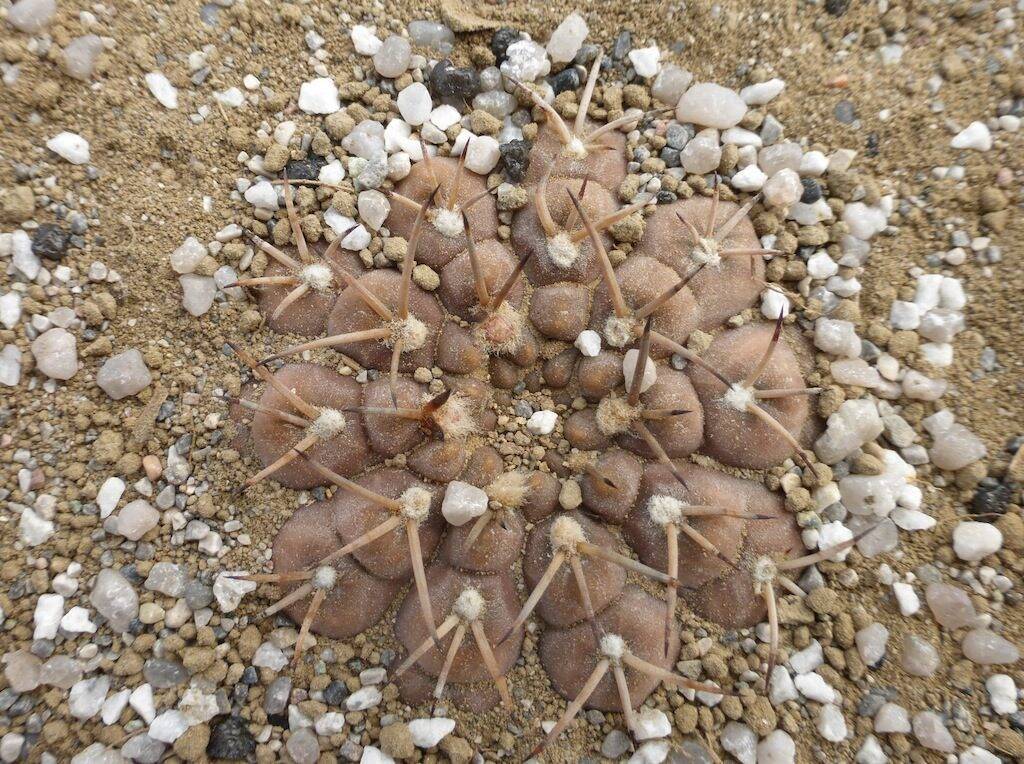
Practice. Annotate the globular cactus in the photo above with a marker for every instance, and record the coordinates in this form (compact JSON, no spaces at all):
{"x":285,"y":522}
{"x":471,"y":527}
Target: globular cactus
{"x":506,"y":313}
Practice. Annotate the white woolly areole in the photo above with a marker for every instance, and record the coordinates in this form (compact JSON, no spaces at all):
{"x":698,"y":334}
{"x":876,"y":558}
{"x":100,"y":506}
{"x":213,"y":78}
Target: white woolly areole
{"x":469,"y":605}
{"x":448,"y":223}
{"x":706,"y":252}
{"x":665,"y":509}
{"x":575,"y":148}
{"x":738,"y":397}
{"x":324,"y":577}
{"x":615,"y":415}
{"x":415,"y":503}
{"x":613,"y":646}
{"x":317,"y":276}
{"x":764,"y":572}
{"x":410,"y":330}
{"x":328,"y":424}
{"x":455,"y":417}
{"x":508,"y":489}
{"x":566,"y":533}
{"x":562,"y":250}
{"x":502,"y":330}
{"x":620,"y":330}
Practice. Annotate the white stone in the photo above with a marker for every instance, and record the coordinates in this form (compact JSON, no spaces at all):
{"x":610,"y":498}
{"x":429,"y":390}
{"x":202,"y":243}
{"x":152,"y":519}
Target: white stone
{"x":198,"y":293}
{"x":955,"y":447}
{"x":821,"y":266}
{"x":70,"y":147}
{"x":745,"y":139}
{"x":269,"y":656}
{"x":80,"y":56}
{"x":855,"y":372}
{"x":651,"y":752}
{"x":783,"y":188}
{"x":702,"y":153}
{"x":646,"y":61}
{"x":123,"y":375}
{"x":77,"y":621}
{"x":463,"y":502}
{"x":837,"y":337}
{"x":365,"y":40}
{"x":651,"y":724}
{"x":141,"y":701}
{"x":776,"y":748}
{"x":414,"y":103}
{"x":112,"y":707}
{"x":22,"y":257}
{"x":427,"y":733}
{"x":782,"y":687}
{"x":332,"y":173}
{"x":864,"y":221}
{"x":46,"y":618}
{"x":330,"y":723}
{"x":710,"y":105}
{"x":975,"y":136}
{"x":31,"y":16}
{"x":393,"y":57}
{"x":892,"y":718}
{"x":168,"y":726}
{"x":919,"y":387}
{"x":813,"y":163}
{"x":629,"y":362}
{"x":774,"y":304}
{"x":187,"y":257}
{"x":762,"y":92}
{"x":977,"y":755}
{"x":56,"y":353}
{"x":911,"y":519}
{"x":831,"y":535}
{"x":750,"y":178}
{"x":907,"y":599}
{"x":33,"y":530}
{"x":482,"y":154}
{"x":363,"y":698}
{"x":319,"y":96}
{"x":542,"y":422}
{"x":588,"y":342}
{"x":938,"y":354}
{"x":1002,"y":694}
{"x":525,"y":61}
{"x":670,"y":84}
{"x":973,"y":541}
{"x":373,"y":208}
{"x":932,"y":733}
{"x":740,"y":741}
{"x":854,"y":424}
{"x":10,"y":310}
{"x":162,"y":89}
{"x":229,"y":590}
{"x":87,"y":696}
{"x":831,"y":724}
{"x":372,"y":755}
{"x":262,"y":195}
{"x":904,"y":315}
{"x":814,"y":687}
{"x":444,"y":116}
{"x":565,"y":41}
{"x":808,"y":659}
{"x":137,"y":519}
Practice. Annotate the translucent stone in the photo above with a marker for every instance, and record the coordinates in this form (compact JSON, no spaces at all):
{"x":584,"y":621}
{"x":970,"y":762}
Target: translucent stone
{"x":864,"y":221}
{"x":808,"y":659}
{"x":365,"y":140}
{"x":497,"y":103}
{"x":918,"y":656}
{"x":373,"y":208}
{"x":932,"y":733}
{"x":922,"y":388}
{"x":197,"y":293}
{"x":783,"y":188}
{"x":162,"y":673}
{"x":97,"y":753}
{"x":431,"y":34}
{"x":871,"y":643}
{"x":33,"y":530}
{"x":856,"y":422}
{"x":955,"y":448}
{"x":567,"y":38}
{"x":703,"y":153}
{"x":167,"y":578}
{"x":115,"y":599}
{"x":269,"y":656}
{"x":761,"y":93}
{"x":892,"y":717}
{"x":629,"y":361}
{"x":415,"y":104}
{"x":22,"y":670}
{"x":426,"y":733}
{"x":463,"y":502}
{"x":393,"y":57}
{"x":137,"y":519}
{"x":80,"y":56}
{"x":362,"y":699}
{"x":986,"y":647}
{"x":780,"y":156}
{"x":70,"y":147}
{"x":124,"y":374}
{"x":711,"y":105}
{"x":87,"y":696}
{"x":162,"y":89}
{"x":776,"y":748}
{"x":782,"y":687}
{"x":229,"y":590}
{"x":365,"y":40}
{"x":168,"y":726}
{"x":941,"y":324}
{"x":884,"y":538}
{"x":837,"y":337}
{"x":740,"y":741}
{"x":56,"y":353}
{"x":951,"y":606}
{"x":814,"y":687}
{"x":670,"y":84}
{"x":31,"y":16}
{"x":831,"y":724}
{"x":973,"y":541}
{"x":187,"y":257}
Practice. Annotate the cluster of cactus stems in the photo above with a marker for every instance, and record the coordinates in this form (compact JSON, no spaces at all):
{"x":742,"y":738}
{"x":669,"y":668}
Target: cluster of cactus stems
{"x":722,"y":543}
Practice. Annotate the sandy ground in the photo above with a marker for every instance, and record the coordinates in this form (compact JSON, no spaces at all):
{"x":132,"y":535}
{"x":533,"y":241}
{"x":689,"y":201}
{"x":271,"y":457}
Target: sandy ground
{"x":156,"y":169}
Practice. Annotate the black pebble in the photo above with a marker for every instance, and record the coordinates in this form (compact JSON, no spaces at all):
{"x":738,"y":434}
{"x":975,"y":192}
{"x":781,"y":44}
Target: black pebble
{"x":305,"y":169}
{"x":50,"y":241}
{"x":991,"y":499}
{"x":845,"y":112}
{"x":335,"y":693}
{"x":500,"y":41}
{"x":231,"y":739}
{"x":622,"y":45}
{"x":836,"y":7}
{"x":449,"y":81}
{"x":812,"y":191}
{"x":516,"y":157}
{"x":567,"y":79}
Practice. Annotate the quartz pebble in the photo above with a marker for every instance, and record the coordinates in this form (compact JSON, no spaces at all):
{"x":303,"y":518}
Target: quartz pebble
{"x":651,"y":723}
{"x":137,"y":519}
{"x":918,"y":657}
{"x":986,"y":648}
{"x":703,"y":153}
{"x":124,"y":374}
{"x":303,"y":746}
{"x":187,"y":257}
{"x":629,"y":362}
{"x":197,"y":293}
{"x":932,"y":733}
{"x":162,"y":89}
{"x":645,"y":61}
{"x":855,"y":423}
{"x":951,"y":606}
{"x":392,"y":59}
{"x":975,"y":136}
{"x":319,"y":96}
{"x":70,"y":147}
{"x":414,"y":104}
{"x":31,"y":16}
{"x":955,"y":447}
{"x":56,"y":353}
{"x":762,"y":92}
{"x":427,"y":733}
{"x":362,"y":699}
{"x":892,"y":718}
{"x":542,"y":422}
{"x":1002,"y":694}
{"x":670,"y":84}
{"x":588,"y":342}
{"x":87,"y":696}
{"x":80,"y":56}
{"x":777,"y":747}
{"x":365,"y":40}
{"x":525,"y":61}
{"x":973,"y":541}
{"x":482,"y":154}
{"x":740,"y":741}
{"x":831,"y":724}
{"x":567,"y":38}
{"x":115,"y":599}
{"x":710,"y":105}
{"x":463,"y":502}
